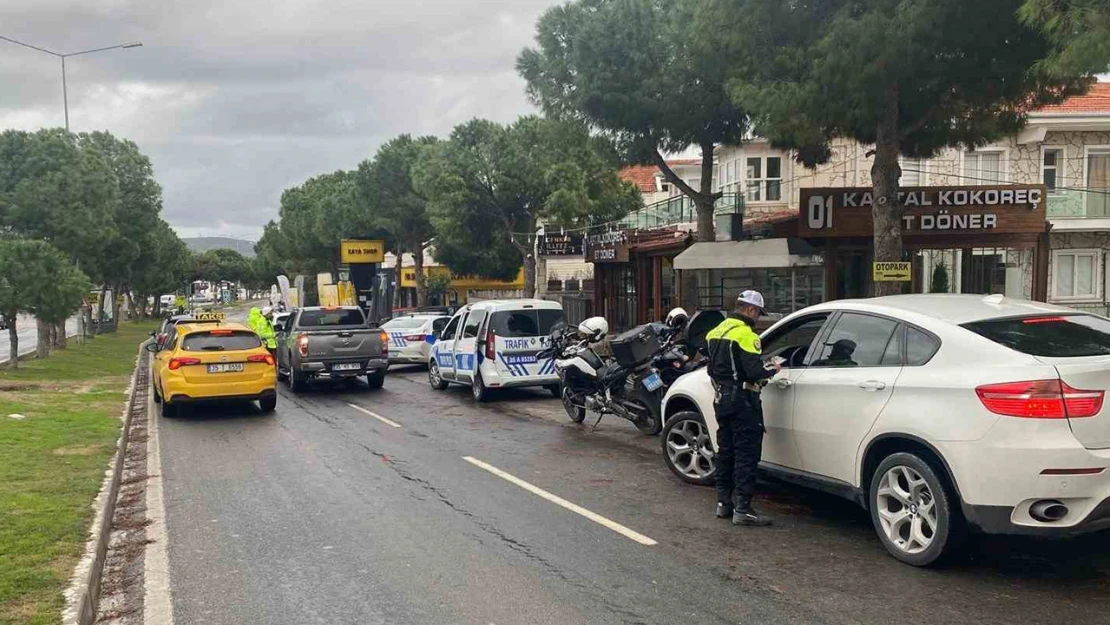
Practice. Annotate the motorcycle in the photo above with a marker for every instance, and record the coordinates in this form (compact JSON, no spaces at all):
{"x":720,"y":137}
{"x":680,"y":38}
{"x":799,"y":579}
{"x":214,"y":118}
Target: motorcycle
{"x":626,"y":385}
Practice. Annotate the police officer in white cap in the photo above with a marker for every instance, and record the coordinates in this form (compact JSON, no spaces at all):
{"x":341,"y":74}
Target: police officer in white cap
{"x":738,"y":374}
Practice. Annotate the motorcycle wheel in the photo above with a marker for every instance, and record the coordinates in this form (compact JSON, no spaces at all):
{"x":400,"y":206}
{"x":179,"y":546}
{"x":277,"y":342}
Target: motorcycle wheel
{"x":575,"y":412}
{"x":652,"y":423}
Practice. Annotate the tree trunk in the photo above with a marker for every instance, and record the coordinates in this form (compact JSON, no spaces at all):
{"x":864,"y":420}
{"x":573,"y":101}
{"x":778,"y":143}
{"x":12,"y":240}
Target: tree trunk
{"x":418,"y":267}
{"x":132,"y":312}
{"x":115,"y":305}
{"x":100,"y":309}
{"x":13,"y":344}
{"x":706,"y":200}
{"x":886,"y":212}
{"x":42,"y":329}
{"x":61,"y":341}
{"x":529,"y":275}
{"x":89,"y":330}
{"x":397,"y":276}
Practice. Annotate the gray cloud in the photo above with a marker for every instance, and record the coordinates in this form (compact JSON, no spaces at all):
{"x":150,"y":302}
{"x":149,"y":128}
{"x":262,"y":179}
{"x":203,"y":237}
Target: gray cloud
{"x":236,"y":100}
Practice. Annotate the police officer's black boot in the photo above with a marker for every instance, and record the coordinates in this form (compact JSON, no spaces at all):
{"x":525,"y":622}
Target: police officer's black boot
{"x":745,"y":514}
{"x":724,"y":510}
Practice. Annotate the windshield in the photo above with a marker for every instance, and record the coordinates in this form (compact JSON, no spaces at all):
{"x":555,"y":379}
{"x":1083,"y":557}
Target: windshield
{"x":516,"y":323}
{"x":212,"y":342}
{"x":331,"y":318}
{"x":1061,"y":336}
{"x":405,"y":323}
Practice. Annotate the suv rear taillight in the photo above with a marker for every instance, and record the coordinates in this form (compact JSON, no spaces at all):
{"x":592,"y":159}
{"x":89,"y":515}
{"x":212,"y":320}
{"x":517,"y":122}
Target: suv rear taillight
{"x":302,"y":345}
{"x":491,"y":344}
{"x":383,"y":337}
{"x":1040,"y":399}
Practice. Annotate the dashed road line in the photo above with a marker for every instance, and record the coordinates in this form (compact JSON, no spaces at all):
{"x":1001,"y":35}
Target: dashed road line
{"x":559,"y":501}
{"x":388,"y":422}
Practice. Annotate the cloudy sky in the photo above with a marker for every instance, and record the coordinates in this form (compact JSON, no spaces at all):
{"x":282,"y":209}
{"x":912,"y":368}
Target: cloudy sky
{"x":235,"y":100}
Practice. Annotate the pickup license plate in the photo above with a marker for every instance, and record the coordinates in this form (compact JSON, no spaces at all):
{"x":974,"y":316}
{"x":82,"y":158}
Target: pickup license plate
{"x":347,"y":366}
{"x":653,"y":382}
{"x":231,"y":367}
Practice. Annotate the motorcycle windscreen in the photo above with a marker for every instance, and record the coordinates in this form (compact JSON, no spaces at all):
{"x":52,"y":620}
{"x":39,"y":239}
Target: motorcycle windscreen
{"x":699,"y":325}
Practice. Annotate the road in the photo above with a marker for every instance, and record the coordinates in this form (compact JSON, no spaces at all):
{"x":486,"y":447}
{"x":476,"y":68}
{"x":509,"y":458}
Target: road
{"x":28,"y":336}
{"x":323,"y":513}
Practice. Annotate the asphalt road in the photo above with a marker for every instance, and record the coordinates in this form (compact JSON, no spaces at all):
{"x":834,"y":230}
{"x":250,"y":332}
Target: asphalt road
{"x":322,"y":513}
{"x":28,"y":336}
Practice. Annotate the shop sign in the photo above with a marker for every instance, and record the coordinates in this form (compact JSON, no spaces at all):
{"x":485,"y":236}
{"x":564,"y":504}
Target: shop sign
{"x":358,"y":251}
{"x":890,"y":272}
{"x":607,"y":247}
{"x":561,"y":245}
{"x":846,"y":212}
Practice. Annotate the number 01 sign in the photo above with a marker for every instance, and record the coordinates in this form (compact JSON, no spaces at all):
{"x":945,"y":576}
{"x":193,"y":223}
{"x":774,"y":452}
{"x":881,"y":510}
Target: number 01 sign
{"x":819,"y":215}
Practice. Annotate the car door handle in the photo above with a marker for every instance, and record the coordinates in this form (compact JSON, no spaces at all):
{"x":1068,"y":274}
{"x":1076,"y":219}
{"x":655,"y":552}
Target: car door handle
{"x":784,"y":383}
{"x":872,"y":385}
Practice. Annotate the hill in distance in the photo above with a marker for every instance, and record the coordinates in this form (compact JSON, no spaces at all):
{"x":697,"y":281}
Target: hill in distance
{"x":203,"y":244}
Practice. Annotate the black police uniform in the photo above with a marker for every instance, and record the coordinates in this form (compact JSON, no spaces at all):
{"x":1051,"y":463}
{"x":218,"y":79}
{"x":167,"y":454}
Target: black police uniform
{"x":737,"y":371}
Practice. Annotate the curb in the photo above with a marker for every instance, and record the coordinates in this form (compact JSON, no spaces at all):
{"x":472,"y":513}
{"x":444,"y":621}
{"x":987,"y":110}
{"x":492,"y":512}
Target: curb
{"x":83,"y":595}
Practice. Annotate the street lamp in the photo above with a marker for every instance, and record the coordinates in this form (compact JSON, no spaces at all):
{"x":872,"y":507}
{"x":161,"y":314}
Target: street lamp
{"x":63,"y":57}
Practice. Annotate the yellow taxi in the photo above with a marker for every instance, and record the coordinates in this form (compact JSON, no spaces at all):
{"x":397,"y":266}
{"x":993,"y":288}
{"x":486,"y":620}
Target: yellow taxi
{"x":212,"y":361}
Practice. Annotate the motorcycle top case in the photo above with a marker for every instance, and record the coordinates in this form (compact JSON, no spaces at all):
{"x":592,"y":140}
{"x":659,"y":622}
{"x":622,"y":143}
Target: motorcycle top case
{"x":635,"y":347}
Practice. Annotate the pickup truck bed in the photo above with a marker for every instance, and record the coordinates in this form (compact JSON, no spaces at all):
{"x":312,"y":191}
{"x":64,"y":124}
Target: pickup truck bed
{"x":330,"y":343}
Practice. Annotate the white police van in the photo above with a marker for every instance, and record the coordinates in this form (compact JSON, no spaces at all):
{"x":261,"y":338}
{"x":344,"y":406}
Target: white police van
{"x":494,"y":344}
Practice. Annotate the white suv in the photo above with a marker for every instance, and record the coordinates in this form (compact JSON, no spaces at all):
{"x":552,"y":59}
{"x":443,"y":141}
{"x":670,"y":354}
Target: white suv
{"x":934,"y":412}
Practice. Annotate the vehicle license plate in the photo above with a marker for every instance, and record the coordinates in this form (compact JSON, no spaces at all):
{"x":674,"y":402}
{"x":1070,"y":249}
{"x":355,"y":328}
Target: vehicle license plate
{"x":347,"y":366}
{"x":230,"y":367}
{"x":652,"y":382}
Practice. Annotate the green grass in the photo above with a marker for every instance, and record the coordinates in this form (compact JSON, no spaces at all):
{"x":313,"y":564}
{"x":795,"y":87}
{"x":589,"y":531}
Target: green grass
{"x":52,"y":464}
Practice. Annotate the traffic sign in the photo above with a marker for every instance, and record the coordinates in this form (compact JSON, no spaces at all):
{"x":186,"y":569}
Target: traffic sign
{"x":890,"y":272}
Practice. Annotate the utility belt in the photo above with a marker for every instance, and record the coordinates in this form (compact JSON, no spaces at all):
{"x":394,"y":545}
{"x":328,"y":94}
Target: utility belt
{"x":753,"y":387}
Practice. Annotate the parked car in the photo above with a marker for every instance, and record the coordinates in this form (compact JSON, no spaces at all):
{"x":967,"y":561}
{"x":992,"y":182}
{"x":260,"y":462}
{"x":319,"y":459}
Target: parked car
{"x":334,"y":343}
{"x":934,"y":412}
{"x":411,"y":337}
{"x":495,"y":344}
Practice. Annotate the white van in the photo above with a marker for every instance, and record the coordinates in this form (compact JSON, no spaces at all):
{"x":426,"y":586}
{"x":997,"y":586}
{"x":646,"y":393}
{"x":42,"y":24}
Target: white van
{"x":494,"y":344}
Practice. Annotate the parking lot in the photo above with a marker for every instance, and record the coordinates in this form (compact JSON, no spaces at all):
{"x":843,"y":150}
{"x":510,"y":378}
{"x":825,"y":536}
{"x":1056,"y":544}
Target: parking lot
{"x":408,"y":505}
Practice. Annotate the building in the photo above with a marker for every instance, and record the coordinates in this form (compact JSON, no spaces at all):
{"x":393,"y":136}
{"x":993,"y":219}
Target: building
{"x":460,"y":289}
{"x":1065,"y":147}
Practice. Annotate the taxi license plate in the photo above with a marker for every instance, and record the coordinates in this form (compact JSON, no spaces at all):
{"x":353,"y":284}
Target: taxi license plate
{"x":226,"y":368}
{"x":347,"y":366}
{"x":653,"y":382}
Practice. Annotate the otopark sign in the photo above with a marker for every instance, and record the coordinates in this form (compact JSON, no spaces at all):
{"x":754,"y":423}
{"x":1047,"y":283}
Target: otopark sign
{"x":847,"y":212}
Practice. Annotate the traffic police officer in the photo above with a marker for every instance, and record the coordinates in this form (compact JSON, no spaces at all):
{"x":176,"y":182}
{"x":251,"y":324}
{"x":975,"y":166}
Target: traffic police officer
{"x":738,"y":375}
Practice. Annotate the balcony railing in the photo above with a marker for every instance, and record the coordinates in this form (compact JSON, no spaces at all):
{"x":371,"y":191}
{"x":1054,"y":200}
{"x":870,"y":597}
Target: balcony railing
{"x":678,"y":210}
{"x":1077,"y":203}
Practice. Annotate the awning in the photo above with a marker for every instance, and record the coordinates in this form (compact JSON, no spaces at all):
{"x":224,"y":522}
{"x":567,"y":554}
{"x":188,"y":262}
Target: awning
{"x":760,"y":254}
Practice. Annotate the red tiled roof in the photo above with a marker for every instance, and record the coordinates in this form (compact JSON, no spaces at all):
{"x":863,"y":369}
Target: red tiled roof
{"x":643,"y":176}
{"x":1097,"y":100}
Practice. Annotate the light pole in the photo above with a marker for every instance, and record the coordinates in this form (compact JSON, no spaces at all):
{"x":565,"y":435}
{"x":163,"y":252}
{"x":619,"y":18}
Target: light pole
{"x":63,"y":57}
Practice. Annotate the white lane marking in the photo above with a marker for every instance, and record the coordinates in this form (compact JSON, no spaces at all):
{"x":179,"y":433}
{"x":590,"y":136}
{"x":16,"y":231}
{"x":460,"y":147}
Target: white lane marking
{"x":388,"y":422}
{"x":559,"y":501}
{"x":157,"y":599}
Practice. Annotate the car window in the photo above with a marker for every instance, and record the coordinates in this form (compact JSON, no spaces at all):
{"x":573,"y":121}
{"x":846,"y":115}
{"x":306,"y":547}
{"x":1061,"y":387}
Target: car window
{"x":856,"y":341}
{"x":405,"y":323}
{"x":1061,"y":336}
{"x":439,"y":324}
{"x":449,"y":332}
{"x":331,"y":318}
{"x":516,"y":323}
{"x":172,"y":343}
{"x":220,"y":341}
{"x":473,"y":322}
{"x":920,"y":347}
{"x":792,"y":342}
{"x":892,"y":357}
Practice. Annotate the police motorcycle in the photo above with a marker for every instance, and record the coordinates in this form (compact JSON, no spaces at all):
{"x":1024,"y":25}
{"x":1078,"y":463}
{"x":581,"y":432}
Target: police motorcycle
{"x":625,"y":385}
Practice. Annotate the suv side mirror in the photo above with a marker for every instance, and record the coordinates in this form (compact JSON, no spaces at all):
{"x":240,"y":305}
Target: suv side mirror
{"x":151,"y":347}
{"x":436,"y":334}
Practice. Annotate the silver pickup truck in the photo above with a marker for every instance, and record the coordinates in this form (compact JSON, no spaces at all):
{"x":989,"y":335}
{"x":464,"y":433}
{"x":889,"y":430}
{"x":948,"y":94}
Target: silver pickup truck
{"x":334,"y":343}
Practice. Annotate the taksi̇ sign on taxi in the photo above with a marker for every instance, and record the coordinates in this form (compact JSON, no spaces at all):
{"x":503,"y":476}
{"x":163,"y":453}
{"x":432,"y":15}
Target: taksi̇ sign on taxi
{"x":890,"y":272}
{"x":354,"y":251}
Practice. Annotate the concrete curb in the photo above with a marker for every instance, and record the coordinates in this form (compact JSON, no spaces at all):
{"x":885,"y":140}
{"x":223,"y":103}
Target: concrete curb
{"x":83,"y":595}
